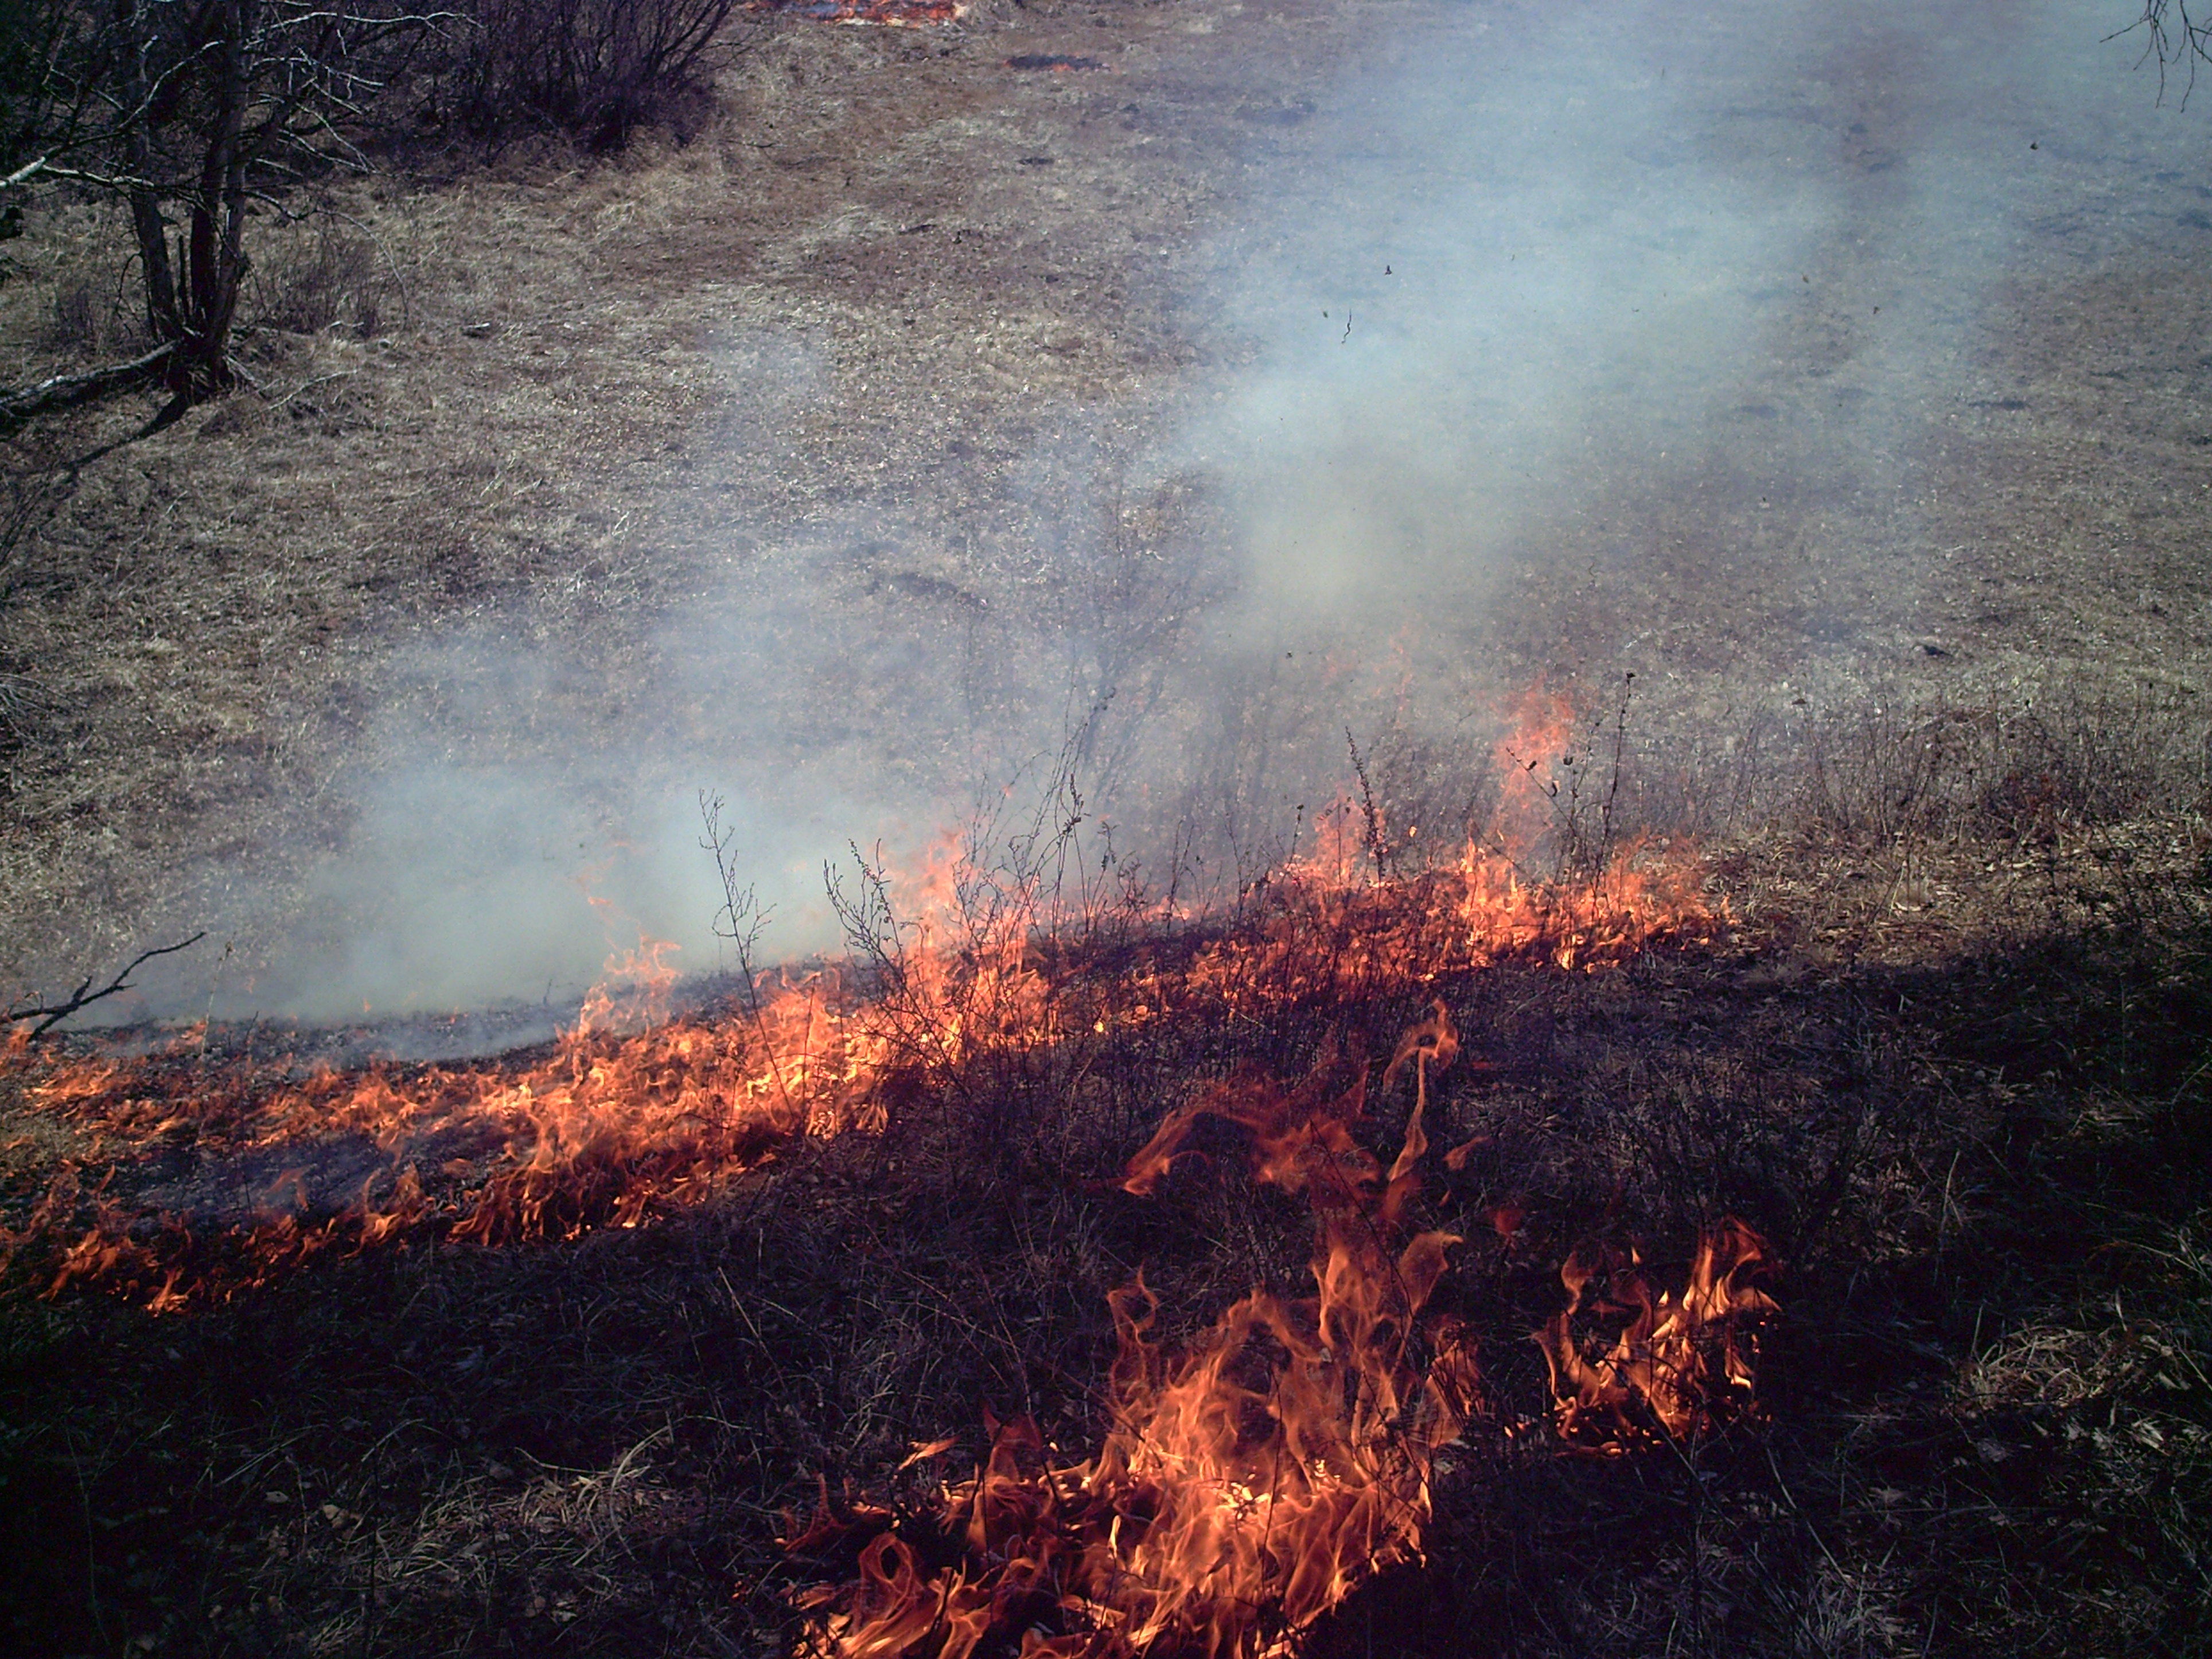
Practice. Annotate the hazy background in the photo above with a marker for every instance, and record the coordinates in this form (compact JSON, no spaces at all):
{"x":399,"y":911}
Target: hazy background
{"x":1529,"y":291}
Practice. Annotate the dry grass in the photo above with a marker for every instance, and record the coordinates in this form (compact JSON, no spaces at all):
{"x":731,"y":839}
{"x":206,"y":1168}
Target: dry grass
{"x":540,"y":416}
{"x":551,"y":412}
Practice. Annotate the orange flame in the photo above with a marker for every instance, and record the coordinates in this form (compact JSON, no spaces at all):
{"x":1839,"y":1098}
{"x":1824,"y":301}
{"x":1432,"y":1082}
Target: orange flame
{"x":632,"y":1114}
{"x":1680,"y":1365}
{"x":1332,"y":942}
{"x":1246,"y":1486}
{"x":968,"y":979}
{"x":1528,"y":760}
{"x":610,"y":1127}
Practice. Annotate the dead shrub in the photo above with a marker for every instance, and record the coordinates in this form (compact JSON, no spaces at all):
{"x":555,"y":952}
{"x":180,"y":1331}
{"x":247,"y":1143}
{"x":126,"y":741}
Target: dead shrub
{"x":1892,"y":769}
{"x":334,"y":278}
{"x":77,"y":319}
{"x":596,"y":70}
{"x":2091,"y":757}
{"x":88,"y":317}
{"x":2075,"y":754}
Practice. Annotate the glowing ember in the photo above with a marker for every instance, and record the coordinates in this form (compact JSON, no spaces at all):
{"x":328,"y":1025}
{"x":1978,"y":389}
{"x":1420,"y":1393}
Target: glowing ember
{"x":1681,"y":1363}
{"x":1246,"y":1486}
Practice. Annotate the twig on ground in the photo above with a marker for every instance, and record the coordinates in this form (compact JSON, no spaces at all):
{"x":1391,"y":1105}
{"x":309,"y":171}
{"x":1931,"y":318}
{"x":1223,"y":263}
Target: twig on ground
{"x":309,"y":386}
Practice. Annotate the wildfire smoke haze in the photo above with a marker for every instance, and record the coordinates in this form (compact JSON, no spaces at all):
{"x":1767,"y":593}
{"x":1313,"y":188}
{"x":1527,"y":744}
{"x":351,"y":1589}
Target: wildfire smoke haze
{"x":1537,"y":352}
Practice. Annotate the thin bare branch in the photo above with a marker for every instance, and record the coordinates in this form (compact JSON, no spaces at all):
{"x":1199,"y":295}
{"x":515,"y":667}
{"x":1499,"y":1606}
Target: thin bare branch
{"x":49,"y":1015}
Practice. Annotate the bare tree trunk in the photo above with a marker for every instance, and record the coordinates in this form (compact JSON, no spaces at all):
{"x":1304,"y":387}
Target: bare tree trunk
{"x":188,"y":110}
{"x":215,"y":255}
{"x":192,"y":286}
{"x":147,"y":225}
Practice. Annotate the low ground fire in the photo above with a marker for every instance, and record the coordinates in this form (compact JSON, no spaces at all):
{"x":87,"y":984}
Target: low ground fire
{"x":1683,"y":1357}
{"x":634,"y":1114}
{"x":1249,"y":1480}
{"x":1230,"y":1462}
{"x":1432,"y":782}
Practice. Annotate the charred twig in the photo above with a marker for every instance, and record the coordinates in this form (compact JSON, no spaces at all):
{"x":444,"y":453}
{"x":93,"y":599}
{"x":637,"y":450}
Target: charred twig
{"x":744,"y":916}
{"x":1613,"y":781}
{"x":49,"y":1015}
{"x":872,"y":927}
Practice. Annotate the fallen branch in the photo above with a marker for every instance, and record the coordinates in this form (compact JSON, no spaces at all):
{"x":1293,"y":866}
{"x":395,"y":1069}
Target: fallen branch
{"x":50,"y":1015}
{"x":67,"y":390}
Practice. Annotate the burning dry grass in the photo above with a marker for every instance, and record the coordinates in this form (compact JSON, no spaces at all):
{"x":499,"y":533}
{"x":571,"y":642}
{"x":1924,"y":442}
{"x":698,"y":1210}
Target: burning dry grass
{"x":1246,"y":1485}
{"x":613,"y":1127}
{"x":1251,"y":1483}
{"x":959,"y":966}
{"x":609,"y":1129}
{"x":1225,"y":1403}
{"x":1680,"y":1359}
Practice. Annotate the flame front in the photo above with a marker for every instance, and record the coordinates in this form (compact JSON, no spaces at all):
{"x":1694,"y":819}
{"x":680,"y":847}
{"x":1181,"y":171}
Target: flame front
{"x":1248,"y":1481}
{"x":634,"y":1114}
{"x":1245,"y":1486}
{"x":612,"y":1126}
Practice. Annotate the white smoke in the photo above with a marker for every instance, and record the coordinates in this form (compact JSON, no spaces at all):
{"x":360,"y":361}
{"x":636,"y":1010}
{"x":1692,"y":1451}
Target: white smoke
{"x":1533,"y":286}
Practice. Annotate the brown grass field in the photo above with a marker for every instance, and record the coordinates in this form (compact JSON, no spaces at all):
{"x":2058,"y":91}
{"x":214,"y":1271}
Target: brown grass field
{"x":1947,"y":1051}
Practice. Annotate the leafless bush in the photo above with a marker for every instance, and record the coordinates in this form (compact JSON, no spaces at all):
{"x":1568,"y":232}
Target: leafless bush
{"x":333,"y":278}
{"x":1578,"y":792}
{"x":596,"y":68}
{"x":2075,"y":755}
{"x":192,"y":119}
{"x":1594,"y":773}
{"x":1588,"y":798}
{"x":2092,"y":757}
{"x":1893,"y":767}
{"x":79,"y":319}
{"x":87,"y":316}
{"x":2175,"y":36}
